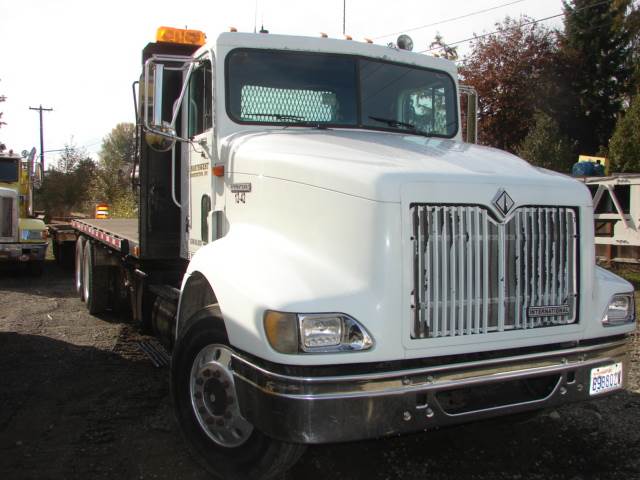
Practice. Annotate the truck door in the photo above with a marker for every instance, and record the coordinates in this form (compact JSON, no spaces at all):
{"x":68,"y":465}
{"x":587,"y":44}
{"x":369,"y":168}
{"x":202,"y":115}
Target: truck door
{"x":201,"y":154}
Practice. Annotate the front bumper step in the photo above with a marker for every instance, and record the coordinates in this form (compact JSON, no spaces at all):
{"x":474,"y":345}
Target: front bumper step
{"x":325,"y":409}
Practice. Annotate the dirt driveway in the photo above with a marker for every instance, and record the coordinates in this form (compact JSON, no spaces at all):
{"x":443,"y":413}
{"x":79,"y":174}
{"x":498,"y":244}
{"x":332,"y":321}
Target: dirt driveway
{"x":78,"y":399}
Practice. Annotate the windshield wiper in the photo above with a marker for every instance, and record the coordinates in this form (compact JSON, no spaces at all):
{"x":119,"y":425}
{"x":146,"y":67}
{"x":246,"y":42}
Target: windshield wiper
{"x":392,"y":122}
{"x":279,"y":116}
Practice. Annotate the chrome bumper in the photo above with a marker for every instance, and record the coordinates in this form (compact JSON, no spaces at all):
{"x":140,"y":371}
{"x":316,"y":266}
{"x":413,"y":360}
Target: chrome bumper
{"x":344,"y":408}
{"x":23,"y":252}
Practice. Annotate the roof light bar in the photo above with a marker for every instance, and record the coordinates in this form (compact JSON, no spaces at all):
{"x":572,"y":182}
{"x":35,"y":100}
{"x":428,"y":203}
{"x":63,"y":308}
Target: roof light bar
{"x":180,"y":36}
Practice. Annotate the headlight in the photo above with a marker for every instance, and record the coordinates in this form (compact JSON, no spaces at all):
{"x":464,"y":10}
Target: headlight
{"x":315,"y":333}
{"x":32,"y":235}
{"x":621,"y":310}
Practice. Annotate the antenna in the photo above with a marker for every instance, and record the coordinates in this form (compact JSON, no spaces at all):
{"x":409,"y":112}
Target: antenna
{"x":255,"y":17}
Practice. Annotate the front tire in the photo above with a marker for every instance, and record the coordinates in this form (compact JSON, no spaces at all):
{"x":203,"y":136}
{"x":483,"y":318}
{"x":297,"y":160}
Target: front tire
{"x":205,"y":404}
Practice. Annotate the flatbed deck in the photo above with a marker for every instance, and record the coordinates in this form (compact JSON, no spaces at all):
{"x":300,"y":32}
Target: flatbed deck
{"x":119,"y":233}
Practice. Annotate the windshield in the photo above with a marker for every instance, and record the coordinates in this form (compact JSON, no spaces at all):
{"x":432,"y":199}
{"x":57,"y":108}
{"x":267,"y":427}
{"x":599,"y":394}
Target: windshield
{"x":298,"y":88}
{"x":8,"y":170}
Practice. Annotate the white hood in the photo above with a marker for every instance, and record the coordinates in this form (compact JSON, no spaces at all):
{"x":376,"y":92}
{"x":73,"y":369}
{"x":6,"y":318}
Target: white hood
{"x":375,"y":165}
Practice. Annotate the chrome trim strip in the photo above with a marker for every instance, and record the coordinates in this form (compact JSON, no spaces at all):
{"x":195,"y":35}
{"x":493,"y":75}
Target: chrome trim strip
{"x":434,"y":387}
{"x":428,"y":370}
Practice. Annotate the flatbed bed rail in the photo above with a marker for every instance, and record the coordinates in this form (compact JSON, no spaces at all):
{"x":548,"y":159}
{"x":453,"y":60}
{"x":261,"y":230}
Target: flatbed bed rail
{"x":119,"y":234}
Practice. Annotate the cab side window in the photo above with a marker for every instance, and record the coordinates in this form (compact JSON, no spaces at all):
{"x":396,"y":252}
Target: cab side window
{"x":200,"y":99}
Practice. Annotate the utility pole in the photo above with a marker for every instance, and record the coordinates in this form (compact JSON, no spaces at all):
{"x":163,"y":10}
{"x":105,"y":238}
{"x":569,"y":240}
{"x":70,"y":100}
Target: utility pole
{"x":344,"y":16}
{"x":40,"y":109}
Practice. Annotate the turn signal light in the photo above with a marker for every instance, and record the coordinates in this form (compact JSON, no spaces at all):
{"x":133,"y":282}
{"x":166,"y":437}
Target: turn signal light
{"x":218,"y":170}
{"x":180,"y":36}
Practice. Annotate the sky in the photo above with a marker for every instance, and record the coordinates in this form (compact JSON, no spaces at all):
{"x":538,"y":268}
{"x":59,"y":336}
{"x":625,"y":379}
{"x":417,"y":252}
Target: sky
{"x":80,"y":57}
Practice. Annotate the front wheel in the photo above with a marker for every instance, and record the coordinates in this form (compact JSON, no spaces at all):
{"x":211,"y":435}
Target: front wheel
{"x":206,"y":406}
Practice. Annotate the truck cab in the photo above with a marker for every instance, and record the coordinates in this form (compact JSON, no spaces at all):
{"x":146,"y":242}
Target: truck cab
{"x":22,"y":237}
{"x":329,"y":261}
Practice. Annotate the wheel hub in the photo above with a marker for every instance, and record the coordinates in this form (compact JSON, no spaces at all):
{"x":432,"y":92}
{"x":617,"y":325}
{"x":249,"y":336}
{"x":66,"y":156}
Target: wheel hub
{"x":213,"y":397}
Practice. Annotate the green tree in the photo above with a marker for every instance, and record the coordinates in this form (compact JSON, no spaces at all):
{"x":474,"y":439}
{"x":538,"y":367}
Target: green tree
{"x":3,"y":98}
{"x":593,"y":69}
{"x":70,"y":157}
{"x":509,"y":70}
{"x":114,"y":169}
{"x":440,"y":49}
{"x":633,"y":25}
{"x":624,"y":148}
{"x":544,"y":145}
{"x":67,"y":187}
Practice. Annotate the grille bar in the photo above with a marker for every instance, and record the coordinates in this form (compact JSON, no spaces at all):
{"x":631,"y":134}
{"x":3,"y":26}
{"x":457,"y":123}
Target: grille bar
{"x":475,"y":275}
{"x":7,"y":218}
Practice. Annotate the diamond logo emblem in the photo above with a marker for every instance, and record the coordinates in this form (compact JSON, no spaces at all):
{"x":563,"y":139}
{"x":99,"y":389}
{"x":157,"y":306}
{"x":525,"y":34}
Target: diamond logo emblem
{"x":503,"y":202}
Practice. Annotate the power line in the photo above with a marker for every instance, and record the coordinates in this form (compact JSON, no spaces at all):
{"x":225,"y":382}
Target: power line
{"x":520,"y":25}
{"x":475,"y":37}
{"x":447,"y":20}
{"x":85,"y":146}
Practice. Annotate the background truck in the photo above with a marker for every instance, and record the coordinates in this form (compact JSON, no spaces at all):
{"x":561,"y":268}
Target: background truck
{"x":327,"y":261}
{"x":22,"y":236}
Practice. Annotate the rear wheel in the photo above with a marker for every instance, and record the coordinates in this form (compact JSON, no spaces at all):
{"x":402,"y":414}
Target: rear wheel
{"x":206,"y":406}
{"x":79,"y":264}
{"x":95,"y":281}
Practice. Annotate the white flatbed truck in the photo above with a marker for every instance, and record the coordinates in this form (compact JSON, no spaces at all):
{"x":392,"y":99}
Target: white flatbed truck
{"x":327,"y":261}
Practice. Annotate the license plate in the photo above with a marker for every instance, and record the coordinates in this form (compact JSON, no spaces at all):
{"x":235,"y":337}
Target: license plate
{"x":605,"y":379}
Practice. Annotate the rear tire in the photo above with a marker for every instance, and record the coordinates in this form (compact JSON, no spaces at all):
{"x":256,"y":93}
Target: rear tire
{"x":79,"y":263}
{"x":95,"y":281}
{"x":252,"y":455}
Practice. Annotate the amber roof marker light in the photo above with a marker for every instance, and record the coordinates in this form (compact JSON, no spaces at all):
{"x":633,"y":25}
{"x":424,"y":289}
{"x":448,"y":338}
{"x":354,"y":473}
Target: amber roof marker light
{"x":180,"y":36}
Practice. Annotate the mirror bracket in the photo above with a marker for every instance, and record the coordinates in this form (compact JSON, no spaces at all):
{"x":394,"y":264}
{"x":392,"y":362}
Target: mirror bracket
{"x":162,"y":135}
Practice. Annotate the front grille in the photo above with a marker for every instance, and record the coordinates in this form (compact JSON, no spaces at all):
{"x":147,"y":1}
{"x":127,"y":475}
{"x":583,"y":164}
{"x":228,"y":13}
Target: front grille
{"x":6,"y":217}
{"x":475,"y":275}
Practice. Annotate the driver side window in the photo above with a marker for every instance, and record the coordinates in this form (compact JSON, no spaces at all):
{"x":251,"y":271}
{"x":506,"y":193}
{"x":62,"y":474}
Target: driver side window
{"x":200,"y":99}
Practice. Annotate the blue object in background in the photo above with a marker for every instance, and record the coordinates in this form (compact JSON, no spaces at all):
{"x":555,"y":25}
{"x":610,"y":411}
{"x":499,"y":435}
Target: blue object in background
{"x":584,"y":169}
{"x":598,"y":170}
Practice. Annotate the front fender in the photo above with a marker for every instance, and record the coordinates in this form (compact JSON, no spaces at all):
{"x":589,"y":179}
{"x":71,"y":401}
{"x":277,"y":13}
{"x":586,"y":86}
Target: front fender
{"x":254,"y":268}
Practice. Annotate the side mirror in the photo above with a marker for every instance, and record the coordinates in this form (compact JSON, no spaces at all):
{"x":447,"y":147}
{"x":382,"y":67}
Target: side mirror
{"x":470,"y":114}
{"x":161,"y":134}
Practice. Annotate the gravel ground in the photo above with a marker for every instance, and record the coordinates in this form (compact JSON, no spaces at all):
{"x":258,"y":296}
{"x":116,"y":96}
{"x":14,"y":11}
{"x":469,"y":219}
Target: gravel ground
{"x":79,"y":400}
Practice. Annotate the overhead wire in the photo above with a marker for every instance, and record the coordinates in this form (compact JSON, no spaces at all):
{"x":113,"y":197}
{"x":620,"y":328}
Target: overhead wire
{"x":447,"y":20}
{"x":520,"y":25}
